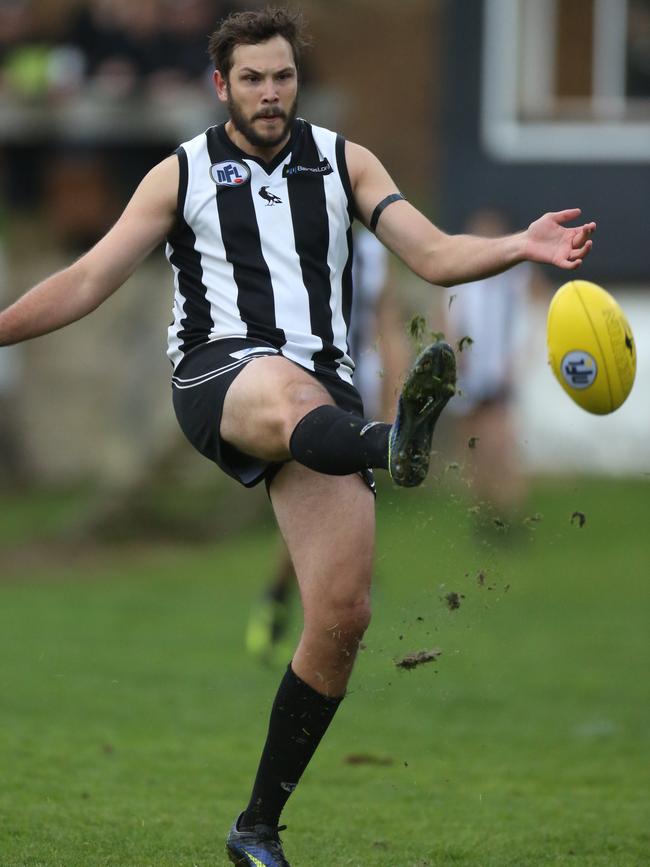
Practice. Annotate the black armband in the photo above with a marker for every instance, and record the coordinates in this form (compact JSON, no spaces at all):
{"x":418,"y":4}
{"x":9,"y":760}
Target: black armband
{"x":381,"y":207}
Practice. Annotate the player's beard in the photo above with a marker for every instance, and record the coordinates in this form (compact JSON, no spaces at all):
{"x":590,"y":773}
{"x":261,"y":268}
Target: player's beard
{"x":245,"y":126}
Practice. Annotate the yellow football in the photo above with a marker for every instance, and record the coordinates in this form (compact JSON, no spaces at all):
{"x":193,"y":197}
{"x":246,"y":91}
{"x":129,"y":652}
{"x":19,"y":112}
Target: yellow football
{"x":590,"y":346}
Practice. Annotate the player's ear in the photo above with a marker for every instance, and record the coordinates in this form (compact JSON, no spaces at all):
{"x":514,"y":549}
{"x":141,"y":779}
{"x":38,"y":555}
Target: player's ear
{"x":220,"y":85}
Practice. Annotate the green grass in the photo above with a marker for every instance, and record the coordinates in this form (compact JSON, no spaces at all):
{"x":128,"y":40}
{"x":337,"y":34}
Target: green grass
{"x":131,"y":721}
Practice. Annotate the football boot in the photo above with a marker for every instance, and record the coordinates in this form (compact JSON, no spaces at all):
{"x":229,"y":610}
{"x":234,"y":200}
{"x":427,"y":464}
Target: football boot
{"x":258,"y":846}
{"x":430,"y":384}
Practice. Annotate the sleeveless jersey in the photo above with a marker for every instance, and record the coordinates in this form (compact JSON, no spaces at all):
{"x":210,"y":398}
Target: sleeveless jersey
{"x":264,"y":251}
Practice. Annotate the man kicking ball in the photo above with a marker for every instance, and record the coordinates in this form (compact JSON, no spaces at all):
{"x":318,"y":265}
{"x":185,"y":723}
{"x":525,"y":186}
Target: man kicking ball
{"x":262,"y":375}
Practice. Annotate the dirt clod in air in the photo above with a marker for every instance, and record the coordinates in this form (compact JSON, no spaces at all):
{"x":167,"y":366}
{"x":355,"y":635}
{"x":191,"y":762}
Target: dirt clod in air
{"x":413,"y":660}
{"x":417,"y":326}
{"x":580,"y":518}
{"x":368,"y":759}
{"x":482,"y":580}
{"x":472,"y":442}
{"x":453,"y":600}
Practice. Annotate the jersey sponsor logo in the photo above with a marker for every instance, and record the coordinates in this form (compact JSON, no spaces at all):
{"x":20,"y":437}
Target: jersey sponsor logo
{"x":323,"y":168}
{"x":269,"y":198}
{"x":230,"y":173}
{"x":579,"y":369}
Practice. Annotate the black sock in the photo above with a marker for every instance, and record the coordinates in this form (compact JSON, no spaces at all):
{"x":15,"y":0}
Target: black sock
{"x":299,"y":719}
{"x":330,"y":440}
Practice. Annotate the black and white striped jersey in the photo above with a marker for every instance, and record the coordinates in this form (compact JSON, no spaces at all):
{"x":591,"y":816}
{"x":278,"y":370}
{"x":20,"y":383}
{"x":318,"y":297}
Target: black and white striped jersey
{"x":264,"y":251}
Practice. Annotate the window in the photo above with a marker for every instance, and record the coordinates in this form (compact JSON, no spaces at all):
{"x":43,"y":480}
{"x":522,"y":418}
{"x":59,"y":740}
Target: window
{"x":566,"y":80}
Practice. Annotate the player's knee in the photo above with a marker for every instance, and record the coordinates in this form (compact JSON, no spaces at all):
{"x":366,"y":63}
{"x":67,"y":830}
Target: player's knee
{"x":279,"y":418}
{"x":275,"y":427}
{"x":356,"y":617}
{"x":301,"y":397}
{"x":345,"y":615}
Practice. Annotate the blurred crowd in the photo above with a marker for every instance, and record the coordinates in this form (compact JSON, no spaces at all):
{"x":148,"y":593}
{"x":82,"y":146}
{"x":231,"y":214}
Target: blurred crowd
{"x":136,"y":75}
{"x":114,"y":47}
{"x":109,"y":56}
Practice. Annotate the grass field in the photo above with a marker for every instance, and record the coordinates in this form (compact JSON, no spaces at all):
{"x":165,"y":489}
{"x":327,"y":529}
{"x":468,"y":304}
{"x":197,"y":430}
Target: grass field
{"x":131,"y":720}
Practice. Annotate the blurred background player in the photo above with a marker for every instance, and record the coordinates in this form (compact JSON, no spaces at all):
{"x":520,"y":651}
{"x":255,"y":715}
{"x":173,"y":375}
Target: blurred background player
{"x":382,"y":356}
{"x":492,"y":313}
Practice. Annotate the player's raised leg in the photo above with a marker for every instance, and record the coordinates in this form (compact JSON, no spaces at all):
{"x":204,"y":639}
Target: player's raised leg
{"x":276,"y":411}
{"x":264,"y":404}
{"x":328,"y":524}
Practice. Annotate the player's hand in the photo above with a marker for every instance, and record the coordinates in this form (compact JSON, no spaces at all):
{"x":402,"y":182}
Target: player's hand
{"x":549,"y":241}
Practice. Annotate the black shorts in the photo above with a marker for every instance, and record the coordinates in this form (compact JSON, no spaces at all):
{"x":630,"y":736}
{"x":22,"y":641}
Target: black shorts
{"x":199,"y":387}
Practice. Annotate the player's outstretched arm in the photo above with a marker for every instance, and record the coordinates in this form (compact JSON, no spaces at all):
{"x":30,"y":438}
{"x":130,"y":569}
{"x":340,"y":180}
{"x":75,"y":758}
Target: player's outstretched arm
{"x":449,"y":259}
{"x":76,"y":291}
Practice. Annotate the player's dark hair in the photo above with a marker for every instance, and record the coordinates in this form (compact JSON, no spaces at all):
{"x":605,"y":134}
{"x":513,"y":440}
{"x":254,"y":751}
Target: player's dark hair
{"x":251,"y":28}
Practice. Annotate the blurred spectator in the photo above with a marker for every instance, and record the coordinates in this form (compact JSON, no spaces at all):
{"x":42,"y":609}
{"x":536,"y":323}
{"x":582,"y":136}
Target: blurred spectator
{"x":487,"y":319}
{"x":96,"y":34}
{"x":23,"y":53}
{"x":127,"y":48}
{"x":188,"y":24}
{"x":120,"y":44}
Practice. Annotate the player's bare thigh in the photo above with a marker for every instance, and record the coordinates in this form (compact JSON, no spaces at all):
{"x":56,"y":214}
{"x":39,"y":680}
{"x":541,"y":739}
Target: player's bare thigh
{"x":264,"y":404}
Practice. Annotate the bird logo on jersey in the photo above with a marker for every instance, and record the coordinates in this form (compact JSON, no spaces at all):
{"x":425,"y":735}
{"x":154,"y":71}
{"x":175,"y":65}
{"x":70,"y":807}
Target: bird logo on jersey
{"x":269,"y":198}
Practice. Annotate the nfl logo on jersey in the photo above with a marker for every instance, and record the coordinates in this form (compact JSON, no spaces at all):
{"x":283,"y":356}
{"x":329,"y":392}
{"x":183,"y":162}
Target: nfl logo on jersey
{"x":230,"y":173}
